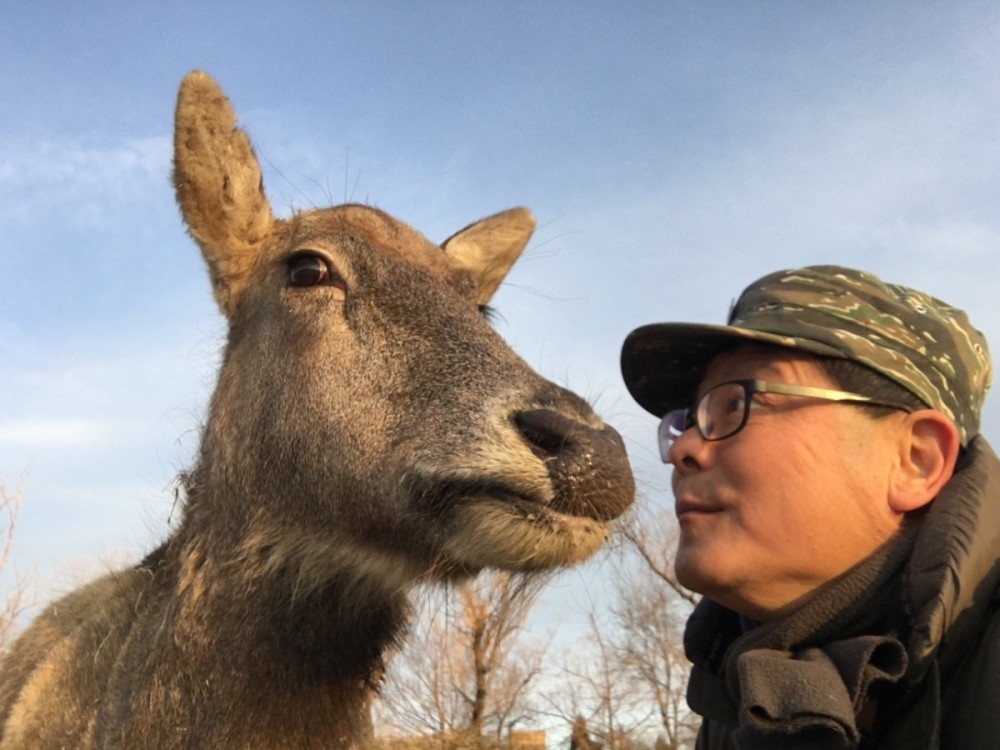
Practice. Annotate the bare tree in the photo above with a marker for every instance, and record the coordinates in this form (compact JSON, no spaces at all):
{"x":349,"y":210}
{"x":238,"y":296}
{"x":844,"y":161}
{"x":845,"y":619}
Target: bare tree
{"x":418,"y":698}
{"x":655,"y":541}
{"x":579,"y":737}
{"x":466,"y":671}
{"x":16,"y":599}
{"x":648,"y":620}
{"x":598,"y":691}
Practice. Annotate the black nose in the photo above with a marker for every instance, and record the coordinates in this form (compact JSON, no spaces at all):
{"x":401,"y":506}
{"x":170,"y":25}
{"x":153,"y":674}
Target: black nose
{"x":588,"y":467}
{"x":547,"y":432}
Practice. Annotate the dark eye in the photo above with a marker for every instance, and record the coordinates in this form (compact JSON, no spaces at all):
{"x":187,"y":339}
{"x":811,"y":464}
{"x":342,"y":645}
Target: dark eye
{"x":734,"y":403}
{"x":307,"y":269}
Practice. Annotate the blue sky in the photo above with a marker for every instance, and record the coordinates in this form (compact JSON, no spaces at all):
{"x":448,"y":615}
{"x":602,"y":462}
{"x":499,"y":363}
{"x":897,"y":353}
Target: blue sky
{"x":672,"y":152}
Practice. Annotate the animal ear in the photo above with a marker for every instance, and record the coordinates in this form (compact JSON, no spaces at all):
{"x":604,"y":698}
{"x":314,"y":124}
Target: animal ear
{"x":218,"y":184}
{"x":489,"y":247}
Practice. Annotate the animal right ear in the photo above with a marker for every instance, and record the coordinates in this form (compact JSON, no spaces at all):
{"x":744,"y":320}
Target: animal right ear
{"x":489,"y":247}
{"x":219,"y":189}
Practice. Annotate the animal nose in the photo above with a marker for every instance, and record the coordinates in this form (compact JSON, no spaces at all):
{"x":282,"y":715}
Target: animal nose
{"x":588,"y":466}
{"x":546,"y":431}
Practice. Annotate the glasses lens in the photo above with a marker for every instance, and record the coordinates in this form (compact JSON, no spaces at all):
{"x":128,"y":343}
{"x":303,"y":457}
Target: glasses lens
{"x":722,"y":411}
{"x":671,"y":426}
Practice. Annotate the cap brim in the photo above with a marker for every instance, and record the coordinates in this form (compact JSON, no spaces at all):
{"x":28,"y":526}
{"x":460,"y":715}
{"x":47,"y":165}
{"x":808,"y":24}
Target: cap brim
{"x":662,"y":363}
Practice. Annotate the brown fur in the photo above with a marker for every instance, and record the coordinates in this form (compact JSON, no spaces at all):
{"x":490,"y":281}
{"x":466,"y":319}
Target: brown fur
{"x":364,"y":435}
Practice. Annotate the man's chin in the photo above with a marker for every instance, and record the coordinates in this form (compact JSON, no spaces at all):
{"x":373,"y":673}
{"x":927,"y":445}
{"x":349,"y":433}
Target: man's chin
{"x":692,"y":573}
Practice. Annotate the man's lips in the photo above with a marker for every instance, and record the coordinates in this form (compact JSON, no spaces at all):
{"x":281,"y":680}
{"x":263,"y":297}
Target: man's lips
{"x":688,"y":506}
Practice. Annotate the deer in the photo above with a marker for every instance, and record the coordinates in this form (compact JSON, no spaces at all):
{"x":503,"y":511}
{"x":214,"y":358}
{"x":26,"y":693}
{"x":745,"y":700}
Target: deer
{"x":369,"y":431}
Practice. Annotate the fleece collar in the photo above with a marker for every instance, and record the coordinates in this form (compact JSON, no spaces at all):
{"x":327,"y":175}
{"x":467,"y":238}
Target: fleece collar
{"x":954,"y":572}
{"x":811,"y":673}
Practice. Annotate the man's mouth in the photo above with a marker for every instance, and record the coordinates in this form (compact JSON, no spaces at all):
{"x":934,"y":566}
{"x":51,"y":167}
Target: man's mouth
{"x":689,"y":507}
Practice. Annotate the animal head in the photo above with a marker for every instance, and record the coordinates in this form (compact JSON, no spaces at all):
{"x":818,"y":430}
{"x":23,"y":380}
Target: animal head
{"x":367,"y":416}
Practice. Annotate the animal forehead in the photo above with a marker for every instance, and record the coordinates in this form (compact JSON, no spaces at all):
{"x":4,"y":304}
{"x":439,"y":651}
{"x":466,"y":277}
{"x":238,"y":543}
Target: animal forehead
{"x":376,"y":229}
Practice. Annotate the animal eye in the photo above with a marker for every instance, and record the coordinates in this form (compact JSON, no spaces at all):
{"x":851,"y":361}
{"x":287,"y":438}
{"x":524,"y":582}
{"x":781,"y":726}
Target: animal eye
{"x":307,"y":269}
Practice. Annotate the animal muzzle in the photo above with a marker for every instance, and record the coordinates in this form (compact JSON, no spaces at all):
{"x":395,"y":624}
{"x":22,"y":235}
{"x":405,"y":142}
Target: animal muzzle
{"x":588,"y":466}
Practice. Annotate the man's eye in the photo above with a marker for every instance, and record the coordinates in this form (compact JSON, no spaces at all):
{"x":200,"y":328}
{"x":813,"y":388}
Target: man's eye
{"x":735,"y":405}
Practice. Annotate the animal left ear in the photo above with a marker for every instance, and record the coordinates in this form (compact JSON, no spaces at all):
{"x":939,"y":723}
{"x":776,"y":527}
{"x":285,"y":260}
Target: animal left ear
{"x":489,"y":248}
{"x":928,"y":451}
{"x":218,"y":184}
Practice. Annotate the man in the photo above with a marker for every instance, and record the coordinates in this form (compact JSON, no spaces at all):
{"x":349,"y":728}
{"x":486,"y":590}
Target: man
{"x":838,"y":511}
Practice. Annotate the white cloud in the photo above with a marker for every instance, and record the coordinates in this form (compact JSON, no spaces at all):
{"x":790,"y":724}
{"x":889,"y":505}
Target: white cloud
{"x":84,"y":185}
{"x":72,"y":432}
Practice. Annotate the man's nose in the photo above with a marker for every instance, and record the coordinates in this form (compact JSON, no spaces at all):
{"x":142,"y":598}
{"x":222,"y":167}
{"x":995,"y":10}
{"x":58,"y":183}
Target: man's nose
{"x":689,"y":451}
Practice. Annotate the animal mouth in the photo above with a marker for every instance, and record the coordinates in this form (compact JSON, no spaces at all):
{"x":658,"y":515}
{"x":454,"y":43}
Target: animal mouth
{"x":536,"y":511}
{"x":496,"y":526}
{"x":531,"y":506}
{"x":577,"y":474}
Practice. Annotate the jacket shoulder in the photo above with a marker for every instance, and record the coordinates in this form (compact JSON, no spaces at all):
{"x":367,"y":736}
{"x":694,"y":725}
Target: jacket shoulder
{"x":970,"y":693}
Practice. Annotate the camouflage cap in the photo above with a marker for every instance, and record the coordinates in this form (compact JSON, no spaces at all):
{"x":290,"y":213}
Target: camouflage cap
{"x":918,"y":341}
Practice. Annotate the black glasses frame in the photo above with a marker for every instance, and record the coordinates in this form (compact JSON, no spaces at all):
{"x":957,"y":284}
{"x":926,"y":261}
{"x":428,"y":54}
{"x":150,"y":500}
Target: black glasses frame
{"x":678,"y":421}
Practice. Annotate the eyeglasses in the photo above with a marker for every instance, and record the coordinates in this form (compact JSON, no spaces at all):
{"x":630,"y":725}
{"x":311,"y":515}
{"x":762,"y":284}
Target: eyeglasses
{"x":723,"y":410}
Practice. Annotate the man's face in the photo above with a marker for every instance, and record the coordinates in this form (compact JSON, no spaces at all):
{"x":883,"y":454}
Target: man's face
{"x":788,"y":503}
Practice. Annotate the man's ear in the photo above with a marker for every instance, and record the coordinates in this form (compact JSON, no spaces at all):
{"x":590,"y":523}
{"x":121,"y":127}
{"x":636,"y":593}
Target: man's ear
{"x":928,"y":449}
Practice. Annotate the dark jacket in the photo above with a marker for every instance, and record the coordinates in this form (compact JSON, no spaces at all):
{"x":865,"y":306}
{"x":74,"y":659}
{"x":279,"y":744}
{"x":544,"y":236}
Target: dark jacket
{"x":901,"y":652}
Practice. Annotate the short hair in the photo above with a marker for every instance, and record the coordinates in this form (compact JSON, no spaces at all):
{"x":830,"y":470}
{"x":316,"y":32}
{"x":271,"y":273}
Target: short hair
{"x":858,"y":378}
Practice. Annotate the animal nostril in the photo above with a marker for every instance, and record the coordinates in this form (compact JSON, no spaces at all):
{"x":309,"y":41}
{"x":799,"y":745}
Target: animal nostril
{"x":547,"y":432}
{"x":580,"y":459}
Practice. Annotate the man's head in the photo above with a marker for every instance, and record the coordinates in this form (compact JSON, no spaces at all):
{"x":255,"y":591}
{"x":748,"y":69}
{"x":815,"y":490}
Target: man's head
{"x":777,"y":492}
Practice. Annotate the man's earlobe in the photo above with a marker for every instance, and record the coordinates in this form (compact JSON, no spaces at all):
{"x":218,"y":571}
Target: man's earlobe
{"x":928,"y":450}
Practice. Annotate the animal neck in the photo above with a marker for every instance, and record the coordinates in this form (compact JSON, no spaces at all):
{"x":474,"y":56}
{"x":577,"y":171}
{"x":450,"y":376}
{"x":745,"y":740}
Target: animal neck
{"x":237,"y":594}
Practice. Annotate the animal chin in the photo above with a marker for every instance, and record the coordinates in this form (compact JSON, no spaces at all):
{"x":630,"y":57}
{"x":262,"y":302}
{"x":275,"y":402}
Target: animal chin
{"x":518,"y":534}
